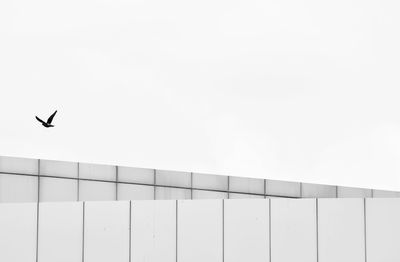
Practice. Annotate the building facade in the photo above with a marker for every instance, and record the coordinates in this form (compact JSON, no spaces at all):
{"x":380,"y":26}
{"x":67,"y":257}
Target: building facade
{"x":53,"y":211}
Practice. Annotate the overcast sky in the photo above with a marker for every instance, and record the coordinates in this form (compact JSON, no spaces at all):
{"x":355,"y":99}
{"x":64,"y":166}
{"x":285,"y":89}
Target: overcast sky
{"x":291,"y":90}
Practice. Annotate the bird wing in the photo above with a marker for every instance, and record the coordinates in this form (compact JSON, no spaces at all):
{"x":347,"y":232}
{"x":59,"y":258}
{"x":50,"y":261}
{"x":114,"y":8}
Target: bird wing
{"x":51,"y":117}
{"x":40,"y":120}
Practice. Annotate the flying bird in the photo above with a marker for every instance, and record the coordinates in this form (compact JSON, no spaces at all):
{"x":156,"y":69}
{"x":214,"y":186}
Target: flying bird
{"x":49,"y":120}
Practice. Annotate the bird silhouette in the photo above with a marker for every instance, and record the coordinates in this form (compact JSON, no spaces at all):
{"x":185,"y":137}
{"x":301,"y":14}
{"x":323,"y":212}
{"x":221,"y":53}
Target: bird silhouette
{"x":49,"y":120}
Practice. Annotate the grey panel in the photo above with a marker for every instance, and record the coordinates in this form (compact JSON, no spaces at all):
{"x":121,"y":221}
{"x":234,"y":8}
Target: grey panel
{"x":246,"y":185}
{"x":318,"y":191}
{"x":135,"y":192}
{"x":200,"y":231}
{"x":60,"y":232}
{"x":98,"y":172}
{"x":349,"y":192}
{"x":58,"y":189}
{"x":385,"y":194}
{"x":18,"y":232}
{"x":18,"y":188}
{"x":173,"y":178}
{"x":106,"y":231}
{"x":282,"y":188}
{"x":293,"y":230}
{"x":383,"y":230}
{"x":341,"y":230}
{"x":206,"y":181}
{"x":246,"y":230}
{"x":153,"y":231}
{"x":203,"y":194}
{"x":58,"y":168}
{"x":97,"y":191}
{"x":135,"y":175}
{"x":166,"y":193}
{"x":18,"y":165}
{"x":243,"y":196}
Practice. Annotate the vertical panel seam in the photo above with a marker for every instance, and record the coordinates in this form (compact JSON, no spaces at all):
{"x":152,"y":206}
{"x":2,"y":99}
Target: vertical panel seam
{"x":130,"y":231}
{"x":316,"y":219}
{"x":223,"y":230}
{"x":229,"y":188}
{"x":365,"y":230}
{"x":78,"y":182}
{"x":83,"y":230}
{"x":37,"y":231}
{"x":37,"y":213}
{"x":38,"y":182}
{"x":301,"y":190}
{"x":191,"y":185}
{"x":116,"y":183}
{"x":176,"y":230}
{"x":265,"y":188}
{"x":155,"y":183}
{"x":269,"y":229}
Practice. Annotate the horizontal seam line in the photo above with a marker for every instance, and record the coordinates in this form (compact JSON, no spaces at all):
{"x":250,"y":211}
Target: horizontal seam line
{"x":145,"y":184}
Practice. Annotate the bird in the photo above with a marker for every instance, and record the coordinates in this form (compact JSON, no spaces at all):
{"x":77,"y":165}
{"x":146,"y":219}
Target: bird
{"x":49,"y":120}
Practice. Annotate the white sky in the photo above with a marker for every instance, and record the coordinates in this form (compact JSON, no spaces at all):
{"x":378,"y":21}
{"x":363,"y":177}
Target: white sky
{"x":291,"y":90}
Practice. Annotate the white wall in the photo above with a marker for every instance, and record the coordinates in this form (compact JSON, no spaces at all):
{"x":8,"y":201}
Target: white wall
{"x":153,"y":227}
{"x":294,"y":228}
{"x":200,"y":231}
{"x":341,"y":230}
{"x":272,"y":230}
{"x":246,"y":230}
{"x":383,"y":230}
{"x":60,"y":232}
{"x":18,"y":232}
{"x":107,"y":231}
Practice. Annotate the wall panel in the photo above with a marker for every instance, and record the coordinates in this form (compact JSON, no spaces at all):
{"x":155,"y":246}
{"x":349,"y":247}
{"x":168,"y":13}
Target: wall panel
{"x":58,"y":168}
{"x":341,"y":230}
{"x":98,"y":172}
{"x":352,"y":192}
{"x":18,"y":165}
{"x":282,"y":188}
{"x":153,"y":231}
{"x":106,"y":231}
{"x":244,"y":196}
{"x":246,"y":185}
{"x":169,"y":193}
{"x":135,"y":175}
{"x":18,"y":232}
{"x":383,"y":230}
{"x":385,"y":194}
{"x":135,"y":192}
{"x":293,"y":230}
{"x":97,"y":191}
{"x":200,"y":231}
{"x":317,"y":191}
{"x":206,"y":181}
{"x":203,"y":194}
{"x":58,"y":189}
{"x":60,"y":232}
{"x":18,"y":188}
{"x":173,"y":178}
{"x":246,"y":230}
